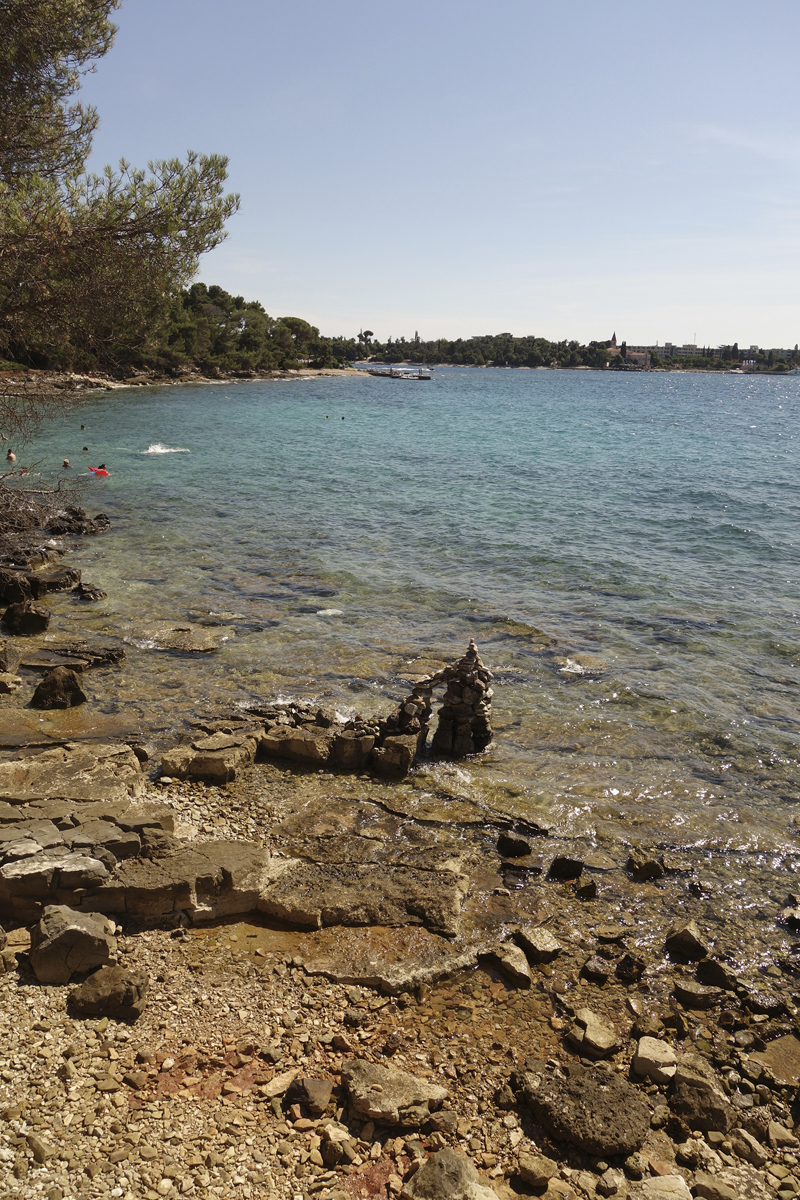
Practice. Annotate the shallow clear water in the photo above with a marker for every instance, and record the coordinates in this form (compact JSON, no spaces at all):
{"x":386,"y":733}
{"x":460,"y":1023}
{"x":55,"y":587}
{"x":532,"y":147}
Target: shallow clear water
{"x":337,"y":531}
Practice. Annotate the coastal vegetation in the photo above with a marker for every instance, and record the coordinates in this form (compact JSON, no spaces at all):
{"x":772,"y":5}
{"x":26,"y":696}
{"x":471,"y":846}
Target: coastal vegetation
{"x":91,"y":266}
{"x":204,"y":328}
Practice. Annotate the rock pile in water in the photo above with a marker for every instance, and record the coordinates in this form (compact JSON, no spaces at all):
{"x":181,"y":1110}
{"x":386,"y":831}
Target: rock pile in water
{"x":465,"y":716}
{"x":316,"y":737}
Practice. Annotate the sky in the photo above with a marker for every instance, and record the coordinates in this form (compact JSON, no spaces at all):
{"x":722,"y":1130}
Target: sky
{"x":454,"y":167}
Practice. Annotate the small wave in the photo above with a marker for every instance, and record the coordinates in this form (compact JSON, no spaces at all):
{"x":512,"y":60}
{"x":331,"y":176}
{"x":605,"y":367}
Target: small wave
{"x":329,"y":612}
{"x":158,"y":448}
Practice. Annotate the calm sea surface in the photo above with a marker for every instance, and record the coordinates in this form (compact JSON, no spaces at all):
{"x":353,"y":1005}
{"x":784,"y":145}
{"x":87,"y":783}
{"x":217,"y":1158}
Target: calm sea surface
{"x":343,"y":534}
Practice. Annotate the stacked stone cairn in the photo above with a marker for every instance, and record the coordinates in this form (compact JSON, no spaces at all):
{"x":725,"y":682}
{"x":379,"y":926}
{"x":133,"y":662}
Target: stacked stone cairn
{"x":465,"y":716}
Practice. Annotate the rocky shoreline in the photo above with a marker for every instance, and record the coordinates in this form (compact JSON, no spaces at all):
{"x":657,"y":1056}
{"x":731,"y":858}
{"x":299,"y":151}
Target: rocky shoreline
{"x":31,"y":381}
{"x":289,"y":971}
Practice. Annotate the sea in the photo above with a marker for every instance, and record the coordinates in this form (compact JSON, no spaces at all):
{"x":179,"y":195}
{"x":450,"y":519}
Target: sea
{"x":623,"y":548}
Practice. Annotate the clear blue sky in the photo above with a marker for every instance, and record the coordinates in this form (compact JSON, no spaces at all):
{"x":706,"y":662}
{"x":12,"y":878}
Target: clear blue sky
{"x":563,"y":169}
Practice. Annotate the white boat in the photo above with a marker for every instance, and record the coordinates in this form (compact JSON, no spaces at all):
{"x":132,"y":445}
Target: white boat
{"x":400,"y":373}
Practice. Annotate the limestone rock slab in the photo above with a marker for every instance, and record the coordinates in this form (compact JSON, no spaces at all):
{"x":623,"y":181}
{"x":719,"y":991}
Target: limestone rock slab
{"x":313,"y":895}
{"x":447,"y":1175}
{"x":65,"y":943}
{"x":389,"y":1096}
{"x":73,"y":772}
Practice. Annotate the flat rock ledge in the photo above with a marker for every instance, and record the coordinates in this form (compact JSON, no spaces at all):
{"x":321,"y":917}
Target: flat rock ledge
{"x":62,"y":845}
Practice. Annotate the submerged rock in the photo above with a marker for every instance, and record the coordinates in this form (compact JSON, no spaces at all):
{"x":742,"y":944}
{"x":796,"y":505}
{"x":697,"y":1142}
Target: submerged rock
{"x":686,"y":941}
{"x":540,"y":945}
{"x":89,"y":592}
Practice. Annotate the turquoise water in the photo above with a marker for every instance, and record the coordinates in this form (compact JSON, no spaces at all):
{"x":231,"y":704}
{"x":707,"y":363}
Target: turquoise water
{"x":338,"y":534}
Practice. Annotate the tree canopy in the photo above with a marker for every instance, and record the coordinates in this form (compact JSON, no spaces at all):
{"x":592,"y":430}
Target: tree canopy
{"x":90,"y":265}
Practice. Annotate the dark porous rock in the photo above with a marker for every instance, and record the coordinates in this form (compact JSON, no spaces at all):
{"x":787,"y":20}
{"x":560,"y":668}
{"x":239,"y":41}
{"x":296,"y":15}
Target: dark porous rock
{"x":511,"y":845}
{"x":59,"y":689}
{"x":564,"y":868}
{"x":587,"y":891}
{"x":111,"y":992}
{"x":698,"y":1097}
{"x":73,"y":519}
{"x":89,"y":592}
{"x":590,"y":1107}
{"x":14,"y":588}
{"x":644,"y":867}
{"x":26,"y":618}
{"x":389,"y":1096}
{"x":313,"y":1094}
{"x":447,"y":1175}
{"x":57,"y":579}
{"x":693,"y":995}
{"x":686,"y":942}
{"x":66,"y":943}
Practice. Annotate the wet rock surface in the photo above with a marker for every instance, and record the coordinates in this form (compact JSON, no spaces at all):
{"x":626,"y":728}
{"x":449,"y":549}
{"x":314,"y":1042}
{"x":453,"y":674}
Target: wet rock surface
{"x":59,"y":689}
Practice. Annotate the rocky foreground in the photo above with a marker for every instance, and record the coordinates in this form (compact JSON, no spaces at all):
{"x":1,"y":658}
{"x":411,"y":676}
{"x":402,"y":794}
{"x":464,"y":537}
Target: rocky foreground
{"x":603,"y":1030}
{"x":295,"y":964}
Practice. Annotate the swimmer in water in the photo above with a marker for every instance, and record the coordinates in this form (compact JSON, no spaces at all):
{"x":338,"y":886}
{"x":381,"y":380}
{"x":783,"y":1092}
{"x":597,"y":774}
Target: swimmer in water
{"x":97,"y":471}
{"x":66,"y":462}
{"x":11,"y":456}
{"x":86,"y":447}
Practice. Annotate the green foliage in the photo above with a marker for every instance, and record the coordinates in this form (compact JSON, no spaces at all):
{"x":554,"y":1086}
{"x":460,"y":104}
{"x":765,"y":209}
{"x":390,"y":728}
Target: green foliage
{"x":90,"y":265}
{"x":218,"y":332}
{"x":45,"y":46}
